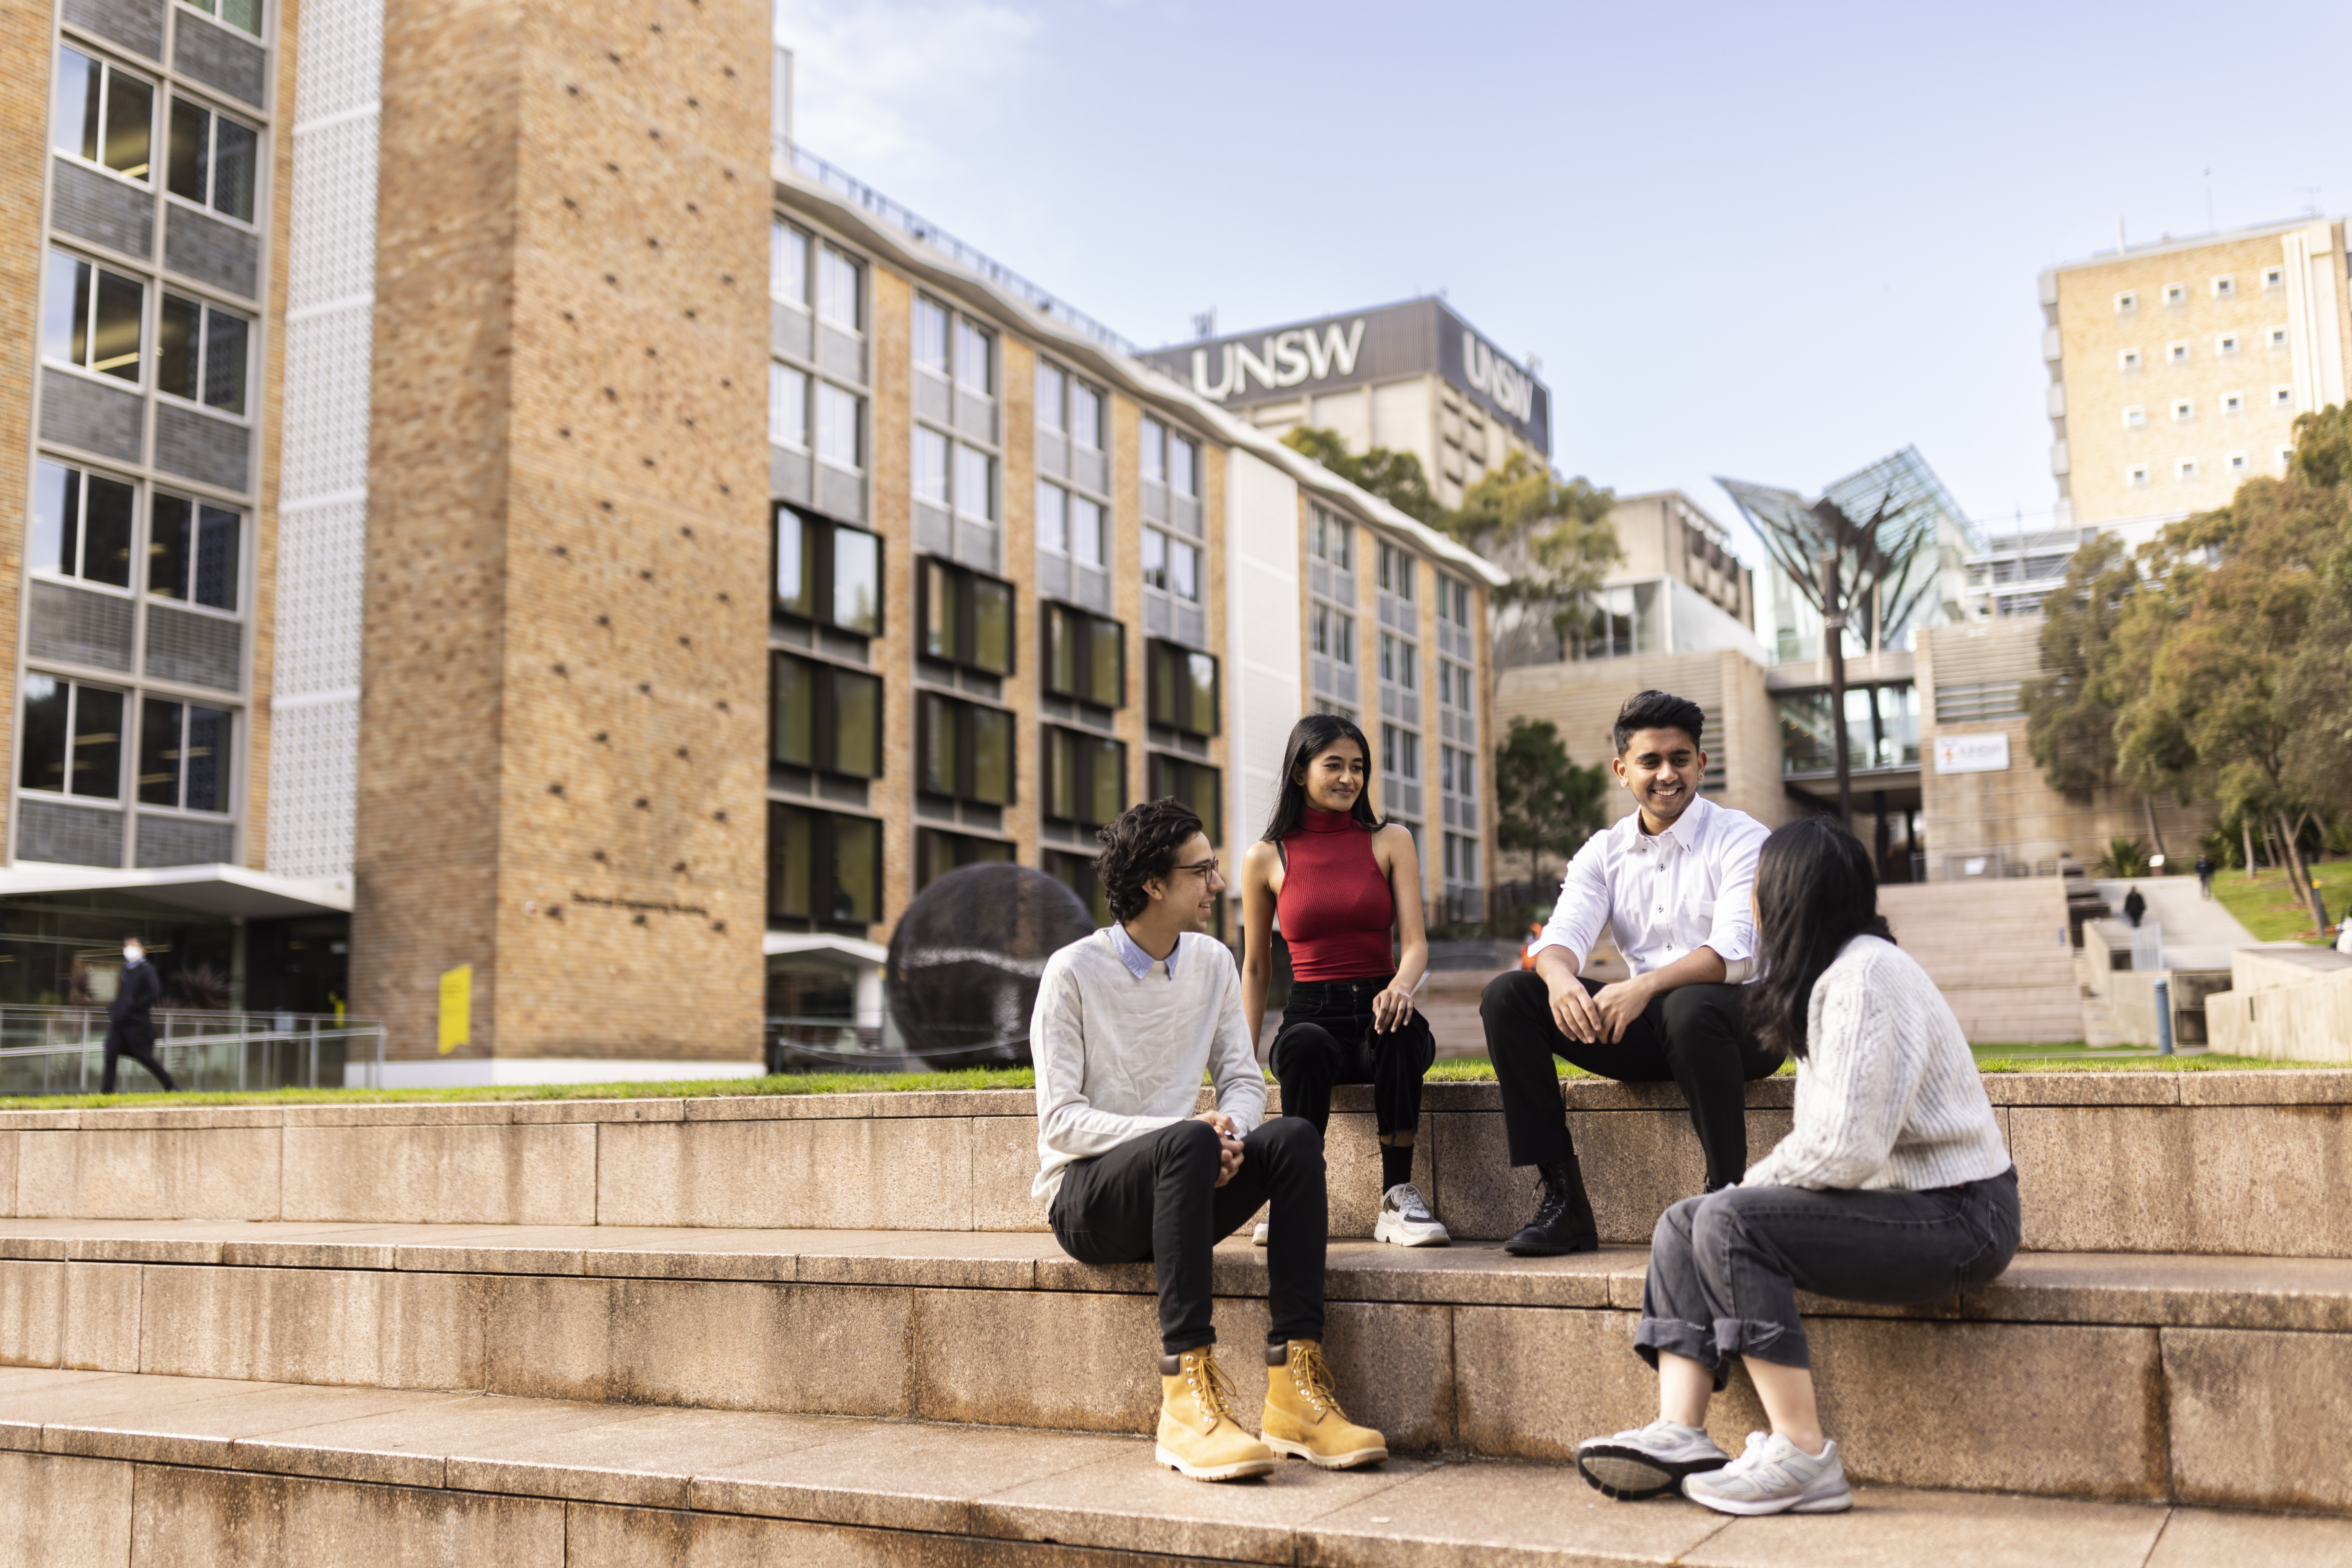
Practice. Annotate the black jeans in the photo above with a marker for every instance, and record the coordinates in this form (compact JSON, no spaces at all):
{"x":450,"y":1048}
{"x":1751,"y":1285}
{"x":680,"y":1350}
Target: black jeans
{"x":1693,"y":1034}
{"x":136,"y":1040}
{"x":1326,"y":1038}
{"x":1726,"y":1268}
{"x":1156,"y":1196}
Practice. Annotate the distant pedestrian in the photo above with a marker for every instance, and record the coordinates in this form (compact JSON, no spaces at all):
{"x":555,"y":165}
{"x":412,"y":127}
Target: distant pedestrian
{"x":2344,"y":939}
{"x":130,"y":1021}
{"x":2134,"y":907}
{"x":2205,"y":876}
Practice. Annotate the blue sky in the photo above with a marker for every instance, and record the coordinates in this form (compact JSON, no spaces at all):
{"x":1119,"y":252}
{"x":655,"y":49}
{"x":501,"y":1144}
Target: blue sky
{"x":1773,"y":243}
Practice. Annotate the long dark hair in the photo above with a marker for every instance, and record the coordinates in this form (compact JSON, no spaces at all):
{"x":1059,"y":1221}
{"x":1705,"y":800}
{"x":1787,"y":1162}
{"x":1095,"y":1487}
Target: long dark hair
{"x":1815,"y":892}
{"x":1310,"y":738}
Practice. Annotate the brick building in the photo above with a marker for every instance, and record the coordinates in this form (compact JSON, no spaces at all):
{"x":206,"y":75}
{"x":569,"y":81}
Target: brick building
{"x":598,"y":555}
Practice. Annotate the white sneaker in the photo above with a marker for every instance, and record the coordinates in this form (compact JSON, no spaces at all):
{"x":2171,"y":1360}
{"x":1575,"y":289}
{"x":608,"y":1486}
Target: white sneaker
{"x":1772,"y":1474}
{"x":1405,"y":1219}
{"x":1648,"y":1461}
{"x":1258,"y":1236}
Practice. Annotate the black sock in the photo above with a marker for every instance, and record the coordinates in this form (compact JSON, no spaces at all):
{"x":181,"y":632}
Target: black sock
{"x":1396,"y":1164}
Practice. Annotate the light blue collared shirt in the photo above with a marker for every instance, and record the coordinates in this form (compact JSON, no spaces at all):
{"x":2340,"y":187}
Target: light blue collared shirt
{"x":1138,"y":962}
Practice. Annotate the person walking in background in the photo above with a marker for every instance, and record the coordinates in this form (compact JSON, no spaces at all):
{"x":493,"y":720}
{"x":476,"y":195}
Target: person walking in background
{"x":2135,"y":906}
{"x":1127,"y":1022}
{"x":1343,"y":884}
{"x":1894,"y":1187}
{"x":130,"y":1018}
{"x":1671,"y":881}
{"x":2205,"y":876}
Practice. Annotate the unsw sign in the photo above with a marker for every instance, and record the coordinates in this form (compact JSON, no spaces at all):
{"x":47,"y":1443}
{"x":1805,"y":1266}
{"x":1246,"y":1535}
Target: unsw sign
{"x":1415,"y":338}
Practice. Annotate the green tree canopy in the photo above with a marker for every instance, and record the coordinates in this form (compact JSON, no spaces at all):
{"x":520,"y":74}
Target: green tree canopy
{"x":2071,"y":709}
{"x":1396,"y":477}
{"x":1544,"y":804}
{"x":1552,"y":535}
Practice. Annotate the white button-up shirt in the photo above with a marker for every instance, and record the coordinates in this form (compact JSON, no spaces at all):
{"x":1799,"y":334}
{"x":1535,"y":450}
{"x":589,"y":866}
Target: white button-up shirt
{"x":1665,"y":896}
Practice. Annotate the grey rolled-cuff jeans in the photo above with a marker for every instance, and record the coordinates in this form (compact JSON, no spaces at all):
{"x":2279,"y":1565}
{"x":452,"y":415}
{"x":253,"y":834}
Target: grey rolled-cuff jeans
{"x":1726,"y":1268}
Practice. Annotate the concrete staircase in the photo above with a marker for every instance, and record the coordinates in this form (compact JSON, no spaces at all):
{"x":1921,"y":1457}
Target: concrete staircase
{"x":2001,"y":952}
{"x":831,"y":1330}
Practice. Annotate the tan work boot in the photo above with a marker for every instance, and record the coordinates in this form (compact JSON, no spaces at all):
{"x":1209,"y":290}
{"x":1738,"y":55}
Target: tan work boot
{"x":1303,"y":1417}
{"x":1198,"y":1435}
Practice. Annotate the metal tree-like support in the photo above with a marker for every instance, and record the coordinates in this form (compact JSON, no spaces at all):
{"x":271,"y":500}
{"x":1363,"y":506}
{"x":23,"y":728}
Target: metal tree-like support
{"x":1851,"y":552}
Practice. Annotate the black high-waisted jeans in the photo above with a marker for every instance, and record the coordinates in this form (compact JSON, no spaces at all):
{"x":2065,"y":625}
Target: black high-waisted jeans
{"x":1326,"y":1038}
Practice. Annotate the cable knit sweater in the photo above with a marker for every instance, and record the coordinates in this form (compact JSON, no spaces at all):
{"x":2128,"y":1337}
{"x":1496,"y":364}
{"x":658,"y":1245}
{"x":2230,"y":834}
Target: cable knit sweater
{"x":1887,"y":1095}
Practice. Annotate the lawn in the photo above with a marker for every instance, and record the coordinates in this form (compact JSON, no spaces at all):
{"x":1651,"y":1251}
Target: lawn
{"x":2265,"y":907}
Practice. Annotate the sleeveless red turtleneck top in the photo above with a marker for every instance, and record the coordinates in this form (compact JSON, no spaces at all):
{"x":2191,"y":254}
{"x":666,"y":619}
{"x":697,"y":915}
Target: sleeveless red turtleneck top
{"x":1335,"y":906}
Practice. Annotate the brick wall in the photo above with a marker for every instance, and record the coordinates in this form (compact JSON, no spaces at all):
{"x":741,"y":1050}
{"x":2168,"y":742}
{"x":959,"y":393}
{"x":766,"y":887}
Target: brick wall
{"x":563,"y":709}
{"x":24,"y":135}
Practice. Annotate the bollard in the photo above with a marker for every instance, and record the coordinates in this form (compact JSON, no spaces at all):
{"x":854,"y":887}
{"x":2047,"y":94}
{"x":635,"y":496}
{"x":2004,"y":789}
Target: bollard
{"x":2163,"y":1016}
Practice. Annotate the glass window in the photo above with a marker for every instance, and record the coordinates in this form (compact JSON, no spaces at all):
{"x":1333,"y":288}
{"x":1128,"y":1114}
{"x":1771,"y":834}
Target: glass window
{"x":790,"y":858}
{"x":243,"y":14}
{"x":1396,"y":572}
{"x":840,"y":428}
{"x":183,"y":755}
{"x":1183,"y":570}
{"x":856,"y":896}
{"x":200,"y":353}
{"x":942,"y":636}
{"x":975,"y":351}
{"x":1085,"y":777}
{"x":81,"y":525}
{"x":1400,"y":752}
{"x":992,"y":626}
{"x":823,"y":866}
{"x":1085,"y":417}
{"x":1053,"y":518}
{"x":1184,"y":689}
{"x":788,"y":259}
{"x":1399,"y":662}
{"x":1052,"y":386}
{"x":788,"y":396}
{"x":965,"y":749}
{"x":192,"y":552}
{"x":104,"y":114}
{"x":824,"y":716}
{"x":837,"y":283}
{"x":1086,"y":657}
{"x":1333,"y":540}
{"x":73,"y":739}
{"x":930,"y":466}
{"x":857,"y":581}
{"x":975,"y":484}
{"x":1106,"y":653}
{"x":1085,"y":532}
{"x":938,"y":853}
{"x":791,"y":718}
{"x":931,"y":336}
{"x":1155,"y":559}
{"x":90,"y":317}
{"x":211,"y":160}
{"x":796,"y":575}
{"x":1194,"y":784}
{"x":991,"y":755}
{"x":1151,"y":451}
{"x":937,"y":735}
{"x":1183,"y":456}
{"x":856,"y":724}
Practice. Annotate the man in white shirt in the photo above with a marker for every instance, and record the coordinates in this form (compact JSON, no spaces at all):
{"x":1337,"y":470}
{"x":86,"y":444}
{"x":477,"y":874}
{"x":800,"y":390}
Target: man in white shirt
{"x":1128,"y":1021}
{"x":1672,"y":880}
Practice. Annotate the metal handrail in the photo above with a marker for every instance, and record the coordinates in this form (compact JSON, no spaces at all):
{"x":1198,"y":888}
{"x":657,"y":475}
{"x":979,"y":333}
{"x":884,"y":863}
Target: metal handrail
{"x":969,"y":257}
{"x":244,"y":1050}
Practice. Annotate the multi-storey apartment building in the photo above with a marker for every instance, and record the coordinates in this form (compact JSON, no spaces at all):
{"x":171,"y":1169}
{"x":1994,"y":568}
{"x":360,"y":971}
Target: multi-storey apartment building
{"x":672,"y":556}
{"x":1414,"y":377}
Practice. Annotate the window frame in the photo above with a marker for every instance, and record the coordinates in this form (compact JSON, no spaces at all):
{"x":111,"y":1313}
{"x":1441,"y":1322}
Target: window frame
{"x":108,"y":69}
{"x":966,"y":719}
{"x":2178,"y":351}
{"x":225,"y":755}
{"x":1059,"y":623}
{"x":141,"y":356}
{"x":79,"y":526}
{"x":214,"y":118}
{"x":1081,"y":780}
{"x":854,"y":267}
{"x":211,"y":13}
{"x":1183,"y":777}
{"x":123,"y":753}
{"x":2136,"y":417}
{"x":822,"y":560}
{"x":826,"y":752}
{"x":777,"y":230}
{"x":206,"y":310}
{"x":824,"y":849}
{"x":1172,"y":696}
{"x":965,"y":587}
{"x":198,"y":507}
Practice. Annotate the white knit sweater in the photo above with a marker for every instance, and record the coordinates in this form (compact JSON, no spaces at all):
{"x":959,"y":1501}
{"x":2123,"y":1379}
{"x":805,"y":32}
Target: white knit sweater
{"x":1887,"y":1095}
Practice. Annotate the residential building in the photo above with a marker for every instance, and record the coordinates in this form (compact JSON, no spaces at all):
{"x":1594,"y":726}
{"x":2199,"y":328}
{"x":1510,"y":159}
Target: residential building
{"x":1412,"y":377}
{"x":607,"y":648}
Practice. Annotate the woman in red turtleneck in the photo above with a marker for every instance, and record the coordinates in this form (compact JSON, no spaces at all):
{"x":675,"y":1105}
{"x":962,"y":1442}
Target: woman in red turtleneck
{"x":1342,"y":883}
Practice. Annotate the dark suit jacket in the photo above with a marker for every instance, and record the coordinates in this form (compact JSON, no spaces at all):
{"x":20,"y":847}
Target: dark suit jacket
{"x":141,"y":987}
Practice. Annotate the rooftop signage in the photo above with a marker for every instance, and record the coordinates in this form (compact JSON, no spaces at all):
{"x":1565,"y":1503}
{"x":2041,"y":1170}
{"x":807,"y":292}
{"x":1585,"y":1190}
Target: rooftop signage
{"x":1416,"y":338}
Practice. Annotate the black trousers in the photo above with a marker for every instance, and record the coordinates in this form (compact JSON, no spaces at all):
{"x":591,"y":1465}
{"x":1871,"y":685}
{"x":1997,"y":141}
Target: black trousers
{"x":1156,"y":1196}
{"x":135,"y":1039}
{"x":1694,"y":1036}
{"x":1326,"y":1038}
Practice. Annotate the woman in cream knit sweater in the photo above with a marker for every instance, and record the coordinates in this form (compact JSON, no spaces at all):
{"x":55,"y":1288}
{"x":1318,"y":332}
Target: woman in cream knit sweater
{"x":1894,"y":1187}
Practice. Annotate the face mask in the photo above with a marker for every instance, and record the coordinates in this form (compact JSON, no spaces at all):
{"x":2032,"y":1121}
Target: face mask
{"x":131,"y":955}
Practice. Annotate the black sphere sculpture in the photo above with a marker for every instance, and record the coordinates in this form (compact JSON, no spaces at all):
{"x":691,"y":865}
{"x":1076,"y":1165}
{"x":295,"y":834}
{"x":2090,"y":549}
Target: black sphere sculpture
{"x":966,"y":959}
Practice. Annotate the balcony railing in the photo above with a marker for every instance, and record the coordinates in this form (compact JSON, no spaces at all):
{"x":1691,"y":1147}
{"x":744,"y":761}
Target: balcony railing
{"x":803,"y":161}
{"x":61,"y":1050}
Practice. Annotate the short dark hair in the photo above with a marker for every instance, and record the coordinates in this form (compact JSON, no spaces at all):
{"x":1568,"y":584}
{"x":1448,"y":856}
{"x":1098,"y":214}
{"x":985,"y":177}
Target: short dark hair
{"x":134,"y":936}
{"x":1659,"y":711}
{"x":1140,"y":845}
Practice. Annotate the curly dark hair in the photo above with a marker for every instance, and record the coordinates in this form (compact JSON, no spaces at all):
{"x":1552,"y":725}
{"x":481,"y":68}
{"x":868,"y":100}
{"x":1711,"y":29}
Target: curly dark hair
{"x":1659,"y":711}
{"x":1140,"y":845}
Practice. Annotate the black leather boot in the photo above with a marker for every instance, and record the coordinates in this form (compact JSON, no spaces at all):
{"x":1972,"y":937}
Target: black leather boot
{"x":1563,"y":1221}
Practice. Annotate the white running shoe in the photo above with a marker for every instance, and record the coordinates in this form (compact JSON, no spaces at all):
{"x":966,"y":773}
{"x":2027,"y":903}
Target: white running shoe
{"x":1405,"y":1219}
{"x":1258,"y":1236}
{"x":1772,"y":1474}
{"x":1648,"y":1461}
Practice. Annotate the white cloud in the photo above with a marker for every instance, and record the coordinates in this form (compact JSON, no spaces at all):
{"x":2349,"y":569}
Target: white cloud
{"x":879,"y":83}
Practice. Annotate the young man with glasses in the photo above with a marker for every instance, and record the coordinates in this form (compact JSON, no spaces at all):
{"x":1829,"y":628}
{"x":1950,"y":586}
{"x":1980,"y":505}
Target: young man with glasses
{"x":1128,"y":1021}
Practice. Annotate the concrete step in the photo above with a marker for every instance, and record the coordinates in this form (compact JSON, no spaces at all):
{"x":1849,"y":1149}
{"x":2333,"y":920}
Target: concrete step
{"x":148,"y":1469}
{"x":2153,"y":1379}
{"x":2241,"y":1162}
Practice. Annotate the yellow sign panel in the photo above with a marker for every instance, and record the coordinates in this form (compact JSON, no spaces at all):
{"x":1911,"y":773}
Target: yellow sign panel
{"x":456,"y":1007}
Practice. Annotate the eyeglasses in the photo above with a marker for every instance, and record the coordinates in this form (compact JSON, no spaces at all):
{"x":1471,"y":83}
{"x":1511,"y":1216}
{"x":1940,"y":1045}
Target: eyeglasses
{"x":1207,"y":868}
